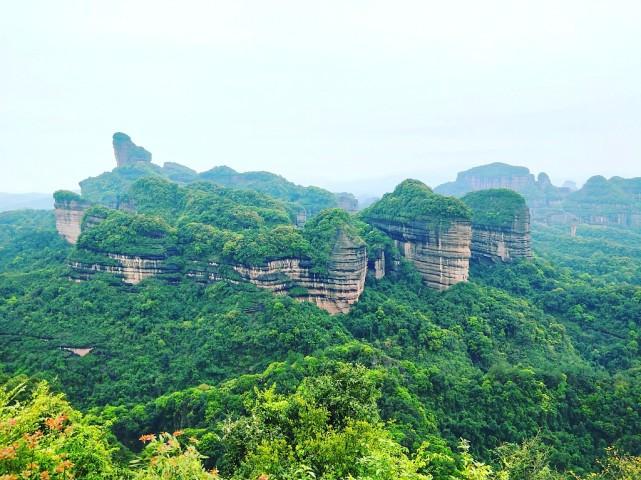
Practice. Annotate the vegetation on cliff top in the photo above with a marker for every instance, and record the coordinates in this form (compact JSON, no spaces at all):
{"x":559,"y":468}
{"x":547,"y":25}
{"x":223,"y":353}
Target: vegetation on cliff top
{"x":313,"y":199}
{"x":413,"y":201}
{"x":66,"y":196}
{"x":497,"y":207}
{"x":109,"y":188}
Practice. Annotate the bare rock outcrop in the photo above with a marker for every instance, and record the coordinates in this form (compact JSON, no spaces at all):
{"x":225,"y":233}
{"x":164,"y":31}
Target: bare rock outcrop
{"x":440,"y":253}
{"x":69,"y":210}
{"x":127,"y":152}
{"x":431,"y":231}
{"x":132,"y":269}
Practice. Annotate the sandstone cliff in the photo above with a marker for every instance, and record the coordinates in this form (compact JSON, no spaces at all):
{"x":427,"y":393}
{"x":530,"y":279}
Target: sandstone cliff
{"x":131,"y":269}
{"x":334,"y":291}
{"x":500,"y":225}
{"x":440,"y":253}
{"x":69,"y":210}
{"x":127,"y":152}
{"x":431,"y":231}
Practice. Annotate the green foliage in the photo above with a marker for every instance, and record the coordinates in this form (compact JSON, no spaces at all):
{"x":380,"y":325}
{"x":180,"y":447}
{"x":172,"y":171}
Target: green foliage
{"x":327,"y":429}
{"x":29,"y":241}
{"x":41,"y":436}
{"x":495,"y":207}
{"x":323,"y":231}
{"x":66,"y":196}
{"x":132,"y":234}
{"x":166,"y":459}
{"x":312,"y":199}
{"x":255,"y":247}
{"x":109,"y":187}
{"x":413,"y":201}
{"x":536,"y":363}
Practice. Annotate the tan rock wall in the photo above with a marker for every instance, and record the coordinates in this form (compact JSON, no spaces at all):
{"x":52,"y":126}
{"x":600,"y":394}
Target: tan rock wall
{"x":440,"y":253}
{"x":69,"y":220}
{"x":503,"y":244}
{"x":334,"y":291}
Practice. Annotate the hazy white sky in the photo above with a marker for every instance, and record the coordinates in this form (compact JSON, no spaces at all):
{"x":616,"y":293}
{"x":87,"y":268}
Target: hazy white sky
{"x":323,"y":92}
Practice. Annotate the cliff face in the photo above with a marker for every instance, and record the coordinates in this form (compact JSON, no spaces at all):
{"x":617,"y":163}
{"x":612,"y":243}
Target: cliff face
{"x":613,"y":202}
{"x":69,"y":214}
{"x":334,"y":291}
{"x":440,"y":253}
{"x":500,"y":225}
{"x":502,"y":244}
{"x":132,"y":269}
{"x":431,"y":231}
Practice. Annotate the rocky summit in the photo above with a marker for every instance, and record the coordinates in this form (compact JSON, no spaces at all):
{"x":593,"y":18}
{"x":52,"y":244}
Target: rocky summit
{"x":127,"y":152}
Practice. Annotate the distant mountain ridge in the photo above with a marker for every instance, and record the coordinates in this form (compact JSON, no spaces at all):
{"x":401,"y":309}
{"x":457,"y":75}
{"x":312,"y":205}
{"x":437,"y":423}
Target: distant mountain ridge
{"x":613,"y":202}
{"x":19,"y":201}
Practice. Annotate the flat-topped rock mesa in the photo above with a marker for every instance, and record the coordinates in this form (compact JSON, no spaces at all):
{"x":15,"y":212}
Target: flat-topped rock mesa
{"x":431,"y":231}
{"x":493,"y":175}
{"x":127,"y":152}
{"x":613,"y":202}
{"x":544,"y":199}
{"x":500,"y":225}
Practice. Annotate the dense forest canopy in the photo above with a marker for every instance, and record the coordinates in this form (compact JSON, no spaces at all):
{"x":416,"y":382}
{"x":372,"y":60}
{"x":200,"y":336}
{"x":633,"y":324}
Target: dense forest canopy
{"x":530,"y":370}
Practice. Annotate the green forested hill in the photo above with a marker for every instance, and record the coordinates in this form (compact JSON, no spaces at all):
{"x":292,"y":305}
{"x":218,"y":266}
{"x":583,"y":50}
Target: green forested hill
{"x":535,"y":364}
{"x":109,"y":188}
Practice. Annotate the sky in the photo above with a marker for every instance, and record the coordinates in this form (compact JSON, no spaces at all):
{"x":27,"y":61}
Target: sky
{"x":349,"y":95}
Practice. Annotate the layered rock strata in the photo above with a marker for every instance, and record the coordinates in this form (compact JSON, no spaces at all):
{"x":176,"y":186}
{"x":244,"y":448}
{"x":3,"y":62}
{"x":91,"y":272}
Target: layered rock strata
{"x":377,"y":264}
{"x":334,"y":291}
{"x":500,"y":225}
{"x":502,"y":243}
{"x":440,"y":252}
{"x":132,"y":269}
{"x":69,"y":215}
